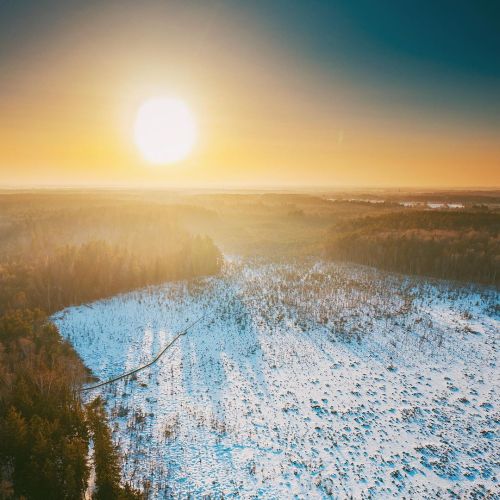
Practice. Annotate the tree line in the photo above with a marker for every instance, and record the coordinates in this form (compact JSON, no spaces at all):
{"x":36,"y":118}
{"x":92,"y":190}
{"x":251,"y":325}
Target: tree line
{"x":77,"y":274}
{"x":461,"y":246}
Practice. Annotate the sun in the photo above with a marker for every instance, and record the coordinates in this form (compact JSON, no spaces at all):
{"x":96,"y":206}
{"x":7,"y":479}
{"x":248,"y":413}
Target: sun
{"x":165,"y":130}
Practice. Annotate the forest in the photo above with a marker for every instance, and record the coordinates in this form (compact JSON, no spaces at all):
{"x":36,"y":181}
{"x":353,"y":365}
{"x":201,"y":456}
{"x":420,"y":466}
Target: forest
{"x":461,"y":246}
{"x":54,"y":256}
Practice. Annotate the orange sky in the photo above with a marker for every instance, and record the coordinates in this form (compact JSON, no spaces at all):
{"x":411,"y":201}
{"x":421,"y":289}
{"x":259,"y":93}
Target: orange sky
{"x":265,"y":115}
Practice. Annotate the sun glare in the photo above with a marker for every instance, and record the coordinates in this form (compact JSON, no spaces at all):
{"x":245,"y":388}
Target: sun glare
{"x":165,"y":130}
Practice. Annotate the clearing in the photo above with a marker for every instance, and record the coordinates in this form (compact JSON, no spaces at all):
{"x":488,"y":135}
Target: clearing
{"x":305,"y":380}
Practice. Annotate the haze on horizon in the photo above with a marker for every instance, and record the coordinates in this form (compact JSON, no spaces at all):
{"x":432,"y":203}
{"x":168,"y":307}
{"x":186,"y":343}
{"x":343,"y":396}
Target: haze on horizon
{"x":288,"y":93}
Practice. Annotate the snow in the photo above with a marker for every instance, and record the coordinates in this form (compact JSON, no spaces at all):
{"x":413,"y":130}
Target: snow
{"x":304,"y":380}
{"x":412,"y":204}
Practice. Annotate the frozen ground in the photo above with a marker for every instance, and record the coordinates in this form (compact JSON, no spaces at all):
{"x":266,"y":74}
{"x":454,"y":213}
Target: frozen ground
{"x":303,"y":381}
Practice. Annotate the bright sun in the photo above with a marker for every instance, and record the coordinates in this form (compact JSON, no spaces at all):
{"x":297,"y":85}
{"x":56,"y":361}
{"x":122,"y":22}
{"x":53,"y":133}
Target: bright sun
{"x":165,"y":130}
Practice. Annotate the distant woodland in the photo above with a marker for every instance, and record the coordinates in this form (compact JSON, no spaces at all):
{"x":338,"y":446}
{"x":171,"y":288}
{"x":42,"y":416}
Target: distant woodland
{"x":53,"y":257}
{"x":443,"y":244}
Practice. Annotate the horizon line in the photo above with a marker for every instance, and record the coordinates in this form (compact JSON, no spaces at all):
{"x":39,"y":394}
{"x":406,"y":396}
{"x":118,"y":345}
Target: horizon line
{"x":236,"y":187}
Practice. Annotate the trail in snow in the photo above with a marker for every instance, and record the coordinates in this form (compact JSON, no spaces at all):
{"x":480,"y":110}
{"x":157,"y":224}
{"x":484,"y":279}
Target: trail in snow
{"x":148,"y":364}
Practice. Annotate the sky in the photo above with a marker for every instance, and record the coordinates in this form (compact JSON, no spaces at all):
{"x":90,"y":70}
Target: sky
{"x":285,"y":93}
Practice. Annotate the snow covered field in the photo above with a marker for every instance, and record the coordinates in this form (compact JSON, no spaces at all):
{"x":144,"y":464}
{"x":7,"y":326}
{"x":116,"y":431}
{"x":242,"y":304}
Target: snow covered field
{"x":304,"y":381}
